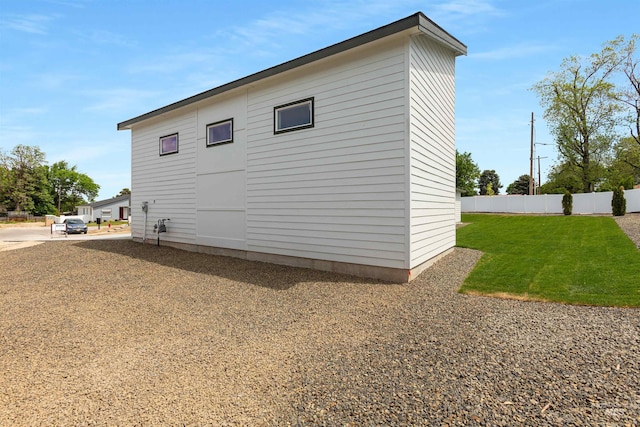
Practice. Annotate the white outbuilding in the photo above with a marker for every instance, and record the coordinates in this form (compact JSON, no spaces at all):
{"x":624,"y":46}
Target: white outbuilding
{"x":340,"y":160}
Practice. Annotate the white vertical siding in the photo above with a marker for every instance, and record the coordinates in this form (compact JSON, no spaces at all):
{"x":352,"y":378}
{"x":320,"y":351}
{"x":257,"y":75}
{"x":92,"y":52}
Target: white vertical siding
{"x":335,"y":191}
{"x":166,"y":182}
{"x":432,"y":159}
{"x":221,"y":175}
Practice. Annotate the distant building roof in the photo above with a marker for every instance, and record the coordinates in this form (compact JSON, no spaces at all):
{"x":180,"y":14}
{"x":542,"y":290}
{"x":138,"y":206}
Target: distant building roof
{"x":117,"y":199}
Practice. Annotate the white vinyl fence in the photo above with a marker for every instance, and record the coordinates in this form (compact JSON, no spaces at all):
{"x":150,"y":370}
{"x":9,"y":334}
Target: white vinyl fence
{"x":588,"y":203}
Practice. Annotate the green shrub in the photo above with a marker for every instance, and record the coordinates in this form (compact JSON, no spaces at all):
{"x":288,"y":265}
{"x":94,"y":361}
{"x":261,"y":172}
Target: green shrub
{"x":618,"y":202}
{"x":567,"y":203}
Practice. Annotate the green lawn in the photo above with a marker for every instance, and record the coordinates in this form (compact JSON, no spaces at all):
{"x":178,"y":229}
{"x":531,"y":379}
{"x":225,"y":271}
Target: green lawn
{"x":570,"y":259}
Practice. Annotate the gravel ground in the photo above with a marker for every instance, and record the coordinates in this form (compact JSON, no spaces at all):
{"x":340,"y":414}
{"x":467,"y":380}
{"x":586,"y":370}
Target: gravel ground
{"x":117,"y":333}
{"x":630,"y":224}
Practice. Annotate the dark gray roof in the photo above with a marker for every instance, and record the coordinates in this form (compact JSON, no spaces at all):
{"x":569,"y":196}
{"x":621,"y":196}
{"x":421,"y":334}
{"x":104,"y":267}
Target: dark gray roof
{"x":117,"y":199}
{"x":418,"y":21}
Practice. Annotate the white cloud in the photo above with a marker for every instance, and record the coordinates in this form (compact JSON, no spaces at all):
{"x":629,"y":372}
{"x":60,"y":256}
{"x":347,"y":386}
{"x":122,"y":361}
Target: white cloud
{"x":15,"y":126}
{"x":76,"y":153}
{"x":464,"y":16}
{"x":171,"y":63}
{"x":282,"y":30}
{"x":516,"y":51}
{"x":23,"y":111}
{"x":78,"y":4}
{"x":122,"y":99}
{"x":33,"y":24}
{"x":54,"y":80}
{"x":16,"y":135}
{"x":467,"y":7}
{"x":104,"y":37}
{"x":265,"y":35}
{"x":268,"y":32}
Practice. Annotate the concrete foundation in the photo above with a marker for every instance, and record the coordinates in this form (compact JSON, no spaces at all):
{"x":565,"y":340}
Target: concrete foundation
{"x":395,"y":275}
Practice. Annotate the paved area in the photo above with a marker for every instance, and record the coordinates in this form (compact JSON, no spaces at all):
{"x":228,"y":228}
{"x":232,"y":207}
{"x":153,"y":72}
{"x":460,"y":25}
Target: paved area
{"x":21,"y":236}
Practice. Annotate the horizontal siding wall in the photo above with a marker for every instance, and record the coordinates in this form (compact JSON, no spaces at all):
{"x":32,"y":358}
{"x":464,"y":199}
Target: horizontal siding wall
{"x":432,"y":159}
{"x":335,"y":191}
{"x":167,"y":183}
{"x":115,"y":209}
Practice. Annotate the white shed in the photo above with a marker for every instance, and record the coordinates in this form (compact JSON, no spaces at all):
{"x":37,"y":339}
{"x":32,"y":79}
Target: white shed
{"x":340,"y":160}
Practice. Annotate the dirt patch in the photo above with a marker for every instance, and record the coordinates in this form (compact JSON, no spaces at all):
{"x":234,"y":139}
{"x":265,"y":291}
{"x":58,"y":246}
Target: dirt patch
{"x":105,"y":229}
{"x":22,"y":224}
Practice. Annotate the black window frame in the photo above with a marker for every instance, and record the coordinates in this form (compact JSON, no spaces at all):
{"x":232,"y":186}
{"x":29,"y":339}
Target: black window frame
{"x":218,"y":123}
{"x":279,"y":108}
{"x":160,"y":140}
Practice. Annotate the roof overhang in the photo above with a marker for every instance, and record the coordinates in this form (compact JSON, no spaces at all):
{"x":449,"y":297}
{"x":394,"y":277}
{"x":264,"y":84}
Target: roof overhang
{"x":418,"y":22}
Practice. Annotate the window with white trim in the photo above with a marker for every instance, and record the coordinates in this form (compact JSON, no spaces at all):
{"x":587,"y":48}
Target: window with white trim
{"x":293,"y":116}
{"x":220,"y":132}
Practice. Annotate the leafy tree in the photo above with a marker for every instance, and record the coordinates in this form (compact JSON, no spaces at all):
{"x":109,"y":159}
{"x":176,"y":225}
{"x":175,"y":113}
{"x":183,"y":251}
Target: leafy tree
{"x":28,"y":184}
{"x":4,"y":180}
{"x":489,"y":176}
{"x":624,"y":166}
{"x":42,"y":200}
{"x":519,"y":186}
{"x":580,"y":107}
{"x":562,"y":177}
{"x":123,"y":192}
{"x":467,"y":172}
{"x":23,"y":180}
{"x":627,"y":158}
{"x":68,"y":186}
{"x":629,"y":96}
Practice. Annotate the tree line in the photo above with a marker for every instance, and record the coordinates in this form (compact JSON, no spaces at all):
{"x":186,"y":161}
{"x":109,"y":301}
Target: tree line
{"x":28,"y":184}
{"x":592,"y":106}
{"x":469,"y":177}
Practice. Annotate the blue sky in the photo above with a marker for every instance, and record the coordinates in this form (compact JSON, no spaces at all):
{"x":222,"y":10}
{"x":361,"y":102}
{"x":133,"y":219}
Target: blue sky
{"x":70,"y":70}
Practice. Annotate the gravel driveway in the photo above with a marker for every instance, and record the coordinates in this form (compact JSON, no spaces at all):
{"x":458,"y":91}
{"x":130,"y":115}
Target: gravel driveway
{"x":117,"y":333}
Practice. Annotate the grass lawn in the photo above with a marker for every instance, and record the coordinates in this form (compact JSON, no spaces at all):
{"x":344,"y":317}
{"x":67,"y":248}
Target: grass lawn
{"x":570,"y":259}
{"x":106,"y":224}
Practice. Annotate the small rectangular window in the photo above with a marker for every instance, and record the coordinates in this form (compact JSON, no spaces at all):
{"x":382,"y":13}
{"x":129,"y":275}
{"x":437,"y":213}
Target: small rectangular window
{"x":168,"y":144}
{"x":220,"y":132}
{"x":293,"y":116}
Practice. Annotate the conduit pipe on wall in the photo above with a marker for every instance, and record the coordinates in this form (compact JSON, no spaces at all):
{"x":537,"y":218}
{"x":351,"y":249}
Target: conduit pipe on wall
{"x":145,"y":208}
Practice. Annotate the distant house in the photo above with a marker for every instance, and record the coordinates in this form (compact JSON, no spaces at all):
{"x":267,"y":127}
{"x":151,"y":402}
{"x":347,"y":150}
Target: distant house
{"x":115,"y":208}
{"x":340,"y":160}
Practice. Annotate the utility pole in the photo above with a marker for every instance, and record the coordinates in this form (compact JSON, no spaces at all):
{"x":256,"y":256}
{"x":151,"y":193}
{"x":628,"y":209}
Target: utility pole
{"x":539,"y":181}
{"x":531,"y":160}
